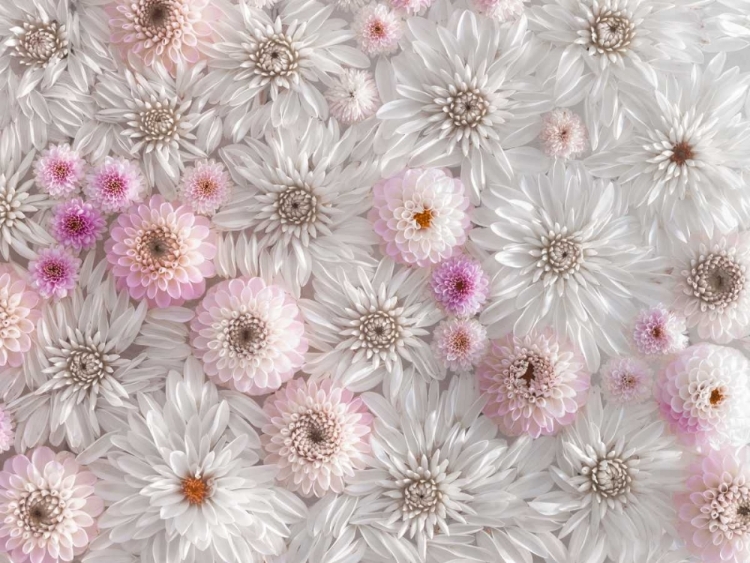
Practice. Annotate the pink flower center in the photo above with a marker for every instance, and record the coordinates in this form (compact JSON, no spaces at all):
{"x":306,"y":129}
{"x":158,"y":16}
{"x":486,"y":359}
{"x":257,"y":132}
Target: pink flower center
{"x":377,"y":30}
{"x":61,"y":171}
{"x":53,"y":271}
{"x":207,"y":187}
{"x":113,"y":185}
{"x":75,"y":224}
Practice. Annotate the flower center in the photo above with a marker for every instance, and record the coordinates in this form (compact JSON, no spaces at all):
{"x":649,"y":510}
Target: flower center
{"x":561,"y":254}
{"x":297,"y":205}
{"x":379,"y":330}
{"x":157,"y":15}
{"x":158,"y":248}
{"x":377,"y":29}
{"x":276,"y":56}
{"x":628,"y":381}
{"x":421,"y":495}
{"x":466,"y":108}
{"x":717,"y":397}
{"x":53,"y":271}
{"x":729,"y":510}
{"x":40,"y":512}
{"x":657,"y":332}
{"x":113,"y":185}
{"x":716,"y":280}
{"x":609,"y":477}
{"x":61,"y":171}
{"x":460,"y":342}
{"x":158,"y":123}
{"x":424,"y":218}
{"x":75,"y":224}
{"x":529,"y":369}
{"x":611,"y":31}
{"x":195,"y":490}
{"x":39,"y":43}
{"x":246,"y":335}
{"x":86,"y":366}
{"x":681,"y":153}
{"x":315,"y":435}
{"x":207,"y":187}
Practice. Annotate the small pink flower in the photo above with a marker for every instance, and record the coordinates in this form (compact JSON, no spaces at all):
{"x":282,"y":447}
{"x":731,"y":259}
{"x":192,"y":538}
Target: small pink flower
{"x":161,"y":252}
{"x":77,"y":224}
{"x":459,"y":344}
{"x":659,"y":331}
{"x":317,"y":435}
{"x":205,"y":187}
{"x":59,"y":171}
{"x":460,"y":286}
{"x":18,"y":317}
{"x":54,"y":272}
{"x":378,"y":29}
{"x":501,"y":10}
{"x":115,"y":185}
{"x":626,"y":380}
{"x":564,"y":134}
{"x":7,"y":433}
{"x":353,"y":97}
{"x":411,"y":6}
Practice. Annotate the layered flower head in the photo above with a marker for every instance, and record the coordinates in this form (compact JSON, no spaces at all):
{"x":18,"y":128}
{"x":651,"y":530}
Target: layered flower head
{"x":378,"y":29}
{"x":205,"y":187}
{"x":59,"y":171}
{"x":317,"y":434}
{"x":76,"y":224}
{"x":502,"y":10}
{"x":659,"y":331}
{"x":460,"y":285}
{"x":18,"y":316}
{"x":563,"y":134}
{"x":54,"y":272}
{"x":353,"y":97}
{"x":115,"y":184}
{"x":626,"y":380}
{"x":421,"y":215}
{"x":161,"y":252}
{"x":459,"y":344}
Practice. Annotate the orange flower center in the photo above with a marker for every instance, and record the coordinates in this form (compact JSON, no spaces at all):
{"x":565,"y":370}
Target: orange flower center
{"x":424,"y":218}
{"x":716,"y":397}
{"x":681,"y":153}
{"x":195,"y":490}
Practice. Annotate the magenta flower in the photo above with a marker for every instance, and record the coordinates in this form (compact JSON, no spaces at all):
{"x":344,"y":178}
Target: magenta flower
{"x":77,"y":224}
{"x":205,"y":187}
{"x":659,"y":331}
{"x":115,"y":185}
{"x":378,"y":29}
{"x":54,"y":272}
{"x":564,"y":134}
{"x":161,"y":252}
{"x":459,"y":344}
{"x":59,"y":171}
{"x":7,"y":433}
{"x":460,"y":286}
{"x":18,"y":317}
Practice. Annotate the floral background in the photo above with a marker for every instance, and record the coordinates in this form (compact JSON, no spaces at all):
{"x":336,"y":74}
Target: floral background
{"x":417,"y":281}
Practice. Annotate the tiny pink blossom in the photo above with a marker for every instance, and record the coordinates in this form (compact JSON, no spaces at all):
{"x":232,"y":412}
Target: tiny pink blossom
{"x":115,"y":185}
{"x":18,"y":314}
{"x":460,"y":286}
{"x":77,"y":224}
{"x":626,"y":380}
{"x":54,"y":272}
{"x":659,"y":331}
{"x":7,"y":433}
{"x":501,"y":10}
{"x":564,"y":134}
{"x":205,"y":187}
{"x":378,"y":29}
{"x":59,"y":171}
{"x":412,"y":7}
{"x":459,"y":344}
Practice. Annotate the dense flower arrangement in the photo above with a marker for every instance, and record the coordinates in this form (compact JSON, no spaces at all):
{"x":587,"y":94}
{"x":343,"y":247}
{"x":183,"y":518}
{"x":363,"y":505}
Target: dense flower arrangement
{"x":374,"y":281}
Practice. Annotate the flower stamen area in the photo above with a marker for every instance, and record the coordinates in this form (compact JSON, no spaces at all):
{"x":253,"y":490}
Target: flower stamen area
{"x":195,"y":489}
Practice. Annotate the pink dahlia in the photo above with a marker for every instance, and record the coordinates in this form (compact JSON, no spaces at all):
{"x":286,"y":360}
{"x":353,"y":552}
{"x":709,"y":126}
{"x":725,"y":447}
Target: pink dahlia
{"x":205,"y":187}
{"x":249,"y":335}
{"x":460,"y":286}
{"x":7,"y":434}
{"x":161,"y":252}
{"x":54,"y":272}
{"x":115,"y":185}
{"x":715,"y":510}
{"x":59,"y":171}
{"x":48,"y":507}
{"x":317,"y":435}
{"x":659,"y":331}
{"x":459,"y":344}
{"x":422,"y":215}
{"x":626,"y":380}
{"x":703,"y":394}
{"x":378,"y":29}
{"x":18,"y":317}
{"x":564,"y":134}
{"x":535,"y":384}
{"x":77,"y":224}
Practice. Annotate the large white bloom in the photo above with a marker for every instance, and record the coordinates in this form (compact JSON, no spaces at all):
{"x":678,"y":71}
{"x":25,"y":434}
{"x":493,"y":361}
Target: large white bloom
{"x":570,"y":257}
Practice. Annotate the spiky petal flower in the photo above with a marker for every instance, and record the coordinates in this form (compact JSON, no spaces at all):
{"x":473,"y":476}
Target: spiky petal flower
{"x":249,"y":335}
{"x":626,"y":380}
{"x":378,"y":29}
{"x":317,"y":435}
{"x":353,"y":97}
{"x":205,"y":187}
{"x":161,"y":252}
{"x":115,"y":185}
{"x":48,"y":506}
{"x":18,"y":316}
{"x":77,"y":224}
{"x":459,"y":344}
{"x":7,"y":433}
{"x":660,"y":331}
{"x":563,"y":134}
{"x":535,"y":383}
{"x":59,"y":171}
{"x":460,"y":285}
{"x":54,"y":272}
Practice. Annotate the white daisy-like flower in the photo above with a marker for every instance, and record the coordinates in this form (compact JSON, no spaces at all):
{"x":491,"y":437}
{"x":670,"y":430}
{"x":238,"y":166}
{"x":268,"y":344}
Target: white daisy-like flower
{"x":569,"y":257}
{"x":616,"y":469}
{"x":626,"y":381}
{"x":198,"y":494}
{"x":450,"y":103}
{"x":363,"y":326}
{"x":353,"y":97}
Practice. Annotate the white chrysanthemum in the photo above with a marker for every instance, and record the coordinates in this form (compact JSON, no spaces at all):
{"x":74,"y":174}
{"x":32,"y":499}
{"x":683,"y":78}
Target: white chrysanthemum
{"x":302,"y":193}
{"x":457,"y":104}
{"x":569,"y":256}
{"x":684,"y":164}
{"x":363,"y":325}
{"x":183,"y":483}
{"x":353,"y":97}
{"x":616,"y":469}
{"x":285,"y":57}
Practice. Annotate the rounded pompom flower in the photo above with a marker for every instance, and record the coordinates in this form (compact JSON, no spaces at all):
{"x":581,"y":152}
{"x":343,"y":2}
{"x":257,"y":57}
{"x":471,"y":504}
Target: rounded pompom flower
{"x":59,"y":171}
{"x":564,"y":134}
{"x":18,"y":317}
{"x":48,"y":507}
{"x":161,"y":252}
{"x":459,"y":344}
{"x":205,"y":187}
{"x":422,"y":215}
{"x":115,"y":185}
{"x":7,"y":433}
{"x":501,"y":10}
{"x":703,"y":394}
{"x":412,"y":7}
{"x":460,"y":286}
{"x":249,"y":335}
{"x":535,"y":383}
{"x":317,"y":435}
{"x":353,"y":97}
{"x":54,"y":272}
{"x":378,"y":29}
{"x":659,"y":331}
{"x":626,"y":380}
{"x":77,"y":224}
{"x":714,"y":511}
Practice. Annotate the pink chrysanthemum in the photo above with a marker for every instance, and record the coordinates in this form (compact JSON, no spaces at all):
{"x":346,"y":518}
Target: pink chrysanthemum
{"x":422,"y":215}
{"x":59,"y":171}
{"x":353,"y":97}
{"x":7,"y":433}
{"x":501,"y":10}
{"x":659,"y":331}
{"x":205,"y":187}
{"x":115,"y":185}
{"x":54,"y":272}
{"x":317,"y":435}
{"x":378,"y":29}
{"x":703,"y":394}
{"x":459,"y":344}
{"x":715,"y":510}
{"x":626,"y":380}
{"x":535,"y":384}
{"x":48,"y":507}
{"x":564,"y":134}
{"x":249,"y":335}
{"x":18,"y":317}
{"x":77,"y":224}
{"x":161,"y":252}
{"x":460,"y":286}
{"x":411,"y":6}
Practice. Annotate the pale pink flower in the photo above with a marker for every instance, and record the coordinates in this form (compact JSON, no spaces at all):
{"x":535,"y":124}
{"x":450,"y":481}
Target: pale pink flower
{"x":54,"y":272}
{"x":161,"y":252}
{"x":249,"y":335}
{"x":115,"y":185}
{"x":412,"y":7}
{"x":18,"y":317}
{"x":317,"y":435}
{"x":535,"y":383}
{"x":205,"y":187}
{"x":7,"y":433}
{"x":460,"y":285}
{"x":378,"y":29}
{"x":659,"y":331}
{"x":564,"y":134}
{"x":501,"y":10}
{"x":459,"y":344}
{"x":59,"y":171}
{"x":77,"y":224}
{"x":353,"y":97}
{"x":626,"y":380}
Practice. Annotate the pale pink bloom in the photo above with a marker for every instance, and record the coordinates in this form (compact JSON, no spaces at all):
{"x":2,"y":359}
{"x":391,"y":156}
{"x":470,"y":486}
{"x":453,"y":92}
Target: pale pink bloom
{"x":48,"y":507}
{"x":714,"y":511}
{"x":626,"y":380}
{"x":59,"y":171}
{"x":54,"y":272}
{"x":353,"y":97}
{"x":459,"y":344}
{"x":564,"y":134}
{"x":378,"y":29}
{"x":205,"y":187}
{"x":18,"y":317}
{"x":161,"y":252}
{"x":249,"y":335}
{"x":317,"y":435}
{"x":411,"y":6}
{"x":422,"y":215}
{"x":7,"y":433}
{"x":659,"y":331}
{"x":501,"y":10}
{"x":535,"y":383}
{"x":460,"y":285}
{"x":115,"y":185}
